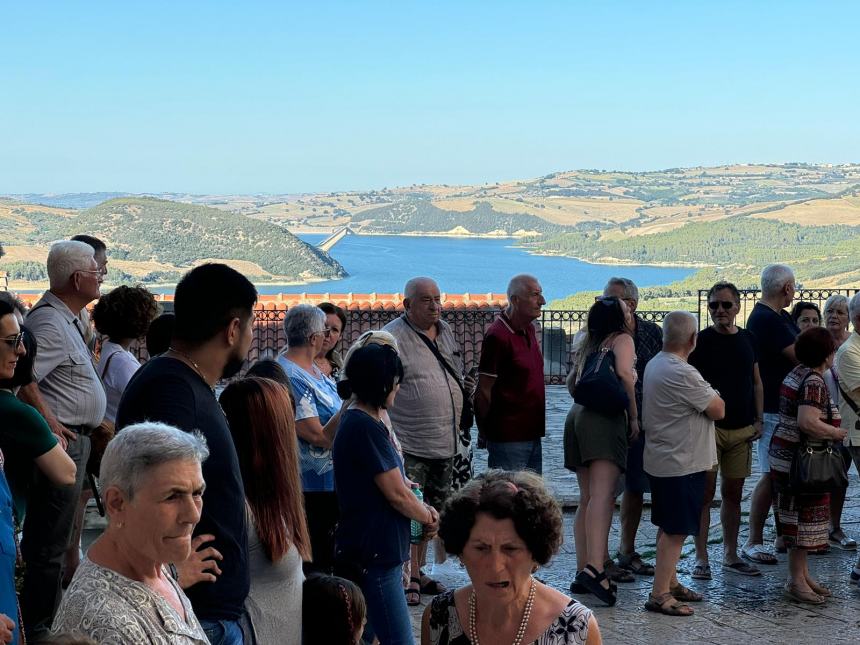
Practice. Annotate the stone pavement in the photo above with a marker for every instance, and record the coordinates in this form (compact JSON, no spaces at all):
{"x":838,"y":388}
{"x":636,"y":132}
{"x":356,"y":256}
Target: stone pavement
{"x":736,"y":609}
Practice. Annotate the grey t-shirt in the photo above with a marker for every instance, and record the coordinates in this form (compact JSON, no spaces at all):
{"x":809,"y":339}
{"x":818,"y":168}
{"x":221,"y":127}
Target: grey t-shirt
{"x":426,"y":411}
{"x":680,"y":438}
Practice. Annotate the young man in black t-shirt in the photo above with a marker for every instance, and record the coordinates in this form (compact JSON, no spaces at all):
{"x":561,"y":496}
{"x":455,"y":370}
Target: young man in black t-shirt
{"x":725,"y":355}
{"x":212,"y":334}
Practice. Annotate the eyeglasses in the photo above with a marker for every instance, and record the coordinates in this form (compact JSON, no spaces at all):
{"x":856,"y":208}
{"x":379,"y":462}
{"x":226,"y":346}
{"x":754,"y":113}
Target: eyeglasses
{"x":325,"y":332}
{"x":14,"y":341}
{"x":716,"y":304}
{"x":96,"y":271}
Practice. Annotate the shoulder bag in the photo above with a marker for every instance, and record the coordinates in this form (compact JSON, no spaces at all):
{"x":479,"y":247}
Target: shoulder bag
{"x":817,"y":467}
{"x":599,"y":389}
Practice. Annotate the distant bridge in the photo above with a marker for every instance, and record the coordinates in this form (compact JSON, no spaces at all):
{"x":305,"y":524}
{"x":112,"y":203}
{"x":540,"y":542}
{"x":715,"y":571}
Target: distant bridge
{"x":329,"y":242}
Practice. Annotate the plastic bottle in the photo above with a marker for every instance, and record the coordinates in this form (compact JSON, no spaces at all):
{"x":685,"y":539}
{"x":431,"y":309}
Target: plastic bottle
{"x":416,"y":533}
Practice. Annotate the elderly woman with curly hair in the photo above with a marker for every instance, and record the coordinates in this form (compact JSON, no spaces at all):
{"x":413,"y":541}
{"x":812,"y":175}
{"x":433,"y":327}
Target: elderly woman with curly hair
{"x":503,"y":526}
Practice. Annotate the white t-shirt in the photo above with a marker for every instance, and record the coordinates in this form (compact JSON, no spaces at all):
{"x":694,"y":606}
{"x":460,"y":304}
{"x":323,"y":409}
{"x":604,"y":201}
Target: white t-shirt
{"x":847,"y":366}
{"x":121,"y":366}
{"x":680,"y":437}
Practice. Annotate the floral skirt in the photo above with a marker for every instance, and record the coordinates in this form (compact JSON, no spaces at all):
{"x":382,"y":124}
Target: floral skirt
{"x":803,"y":521}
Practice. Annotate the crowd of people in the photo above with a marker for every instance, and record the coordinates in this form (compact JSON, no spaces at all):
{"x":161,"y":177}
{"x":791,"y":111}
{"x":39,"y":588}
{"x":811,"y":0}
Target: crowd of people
{"x":296,"y":502}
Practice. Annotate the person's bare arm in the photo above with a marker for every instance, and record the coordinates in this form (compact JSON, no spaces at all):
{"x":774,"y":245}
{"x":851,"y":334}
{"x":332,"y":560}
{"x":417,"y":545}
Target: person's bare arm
{"x":425,"y":626}
{"x":57,"y":466}
{"x":625,"y":367}
{"x":758,"y":395}
{"x":31,"y":395}
{"x":317,"y":434}
{"x":484,"y":396}
{"x":594,"y":637}
{"x":403,"y":500}
{"x":809,"y":422}
{"x":716,"y":409}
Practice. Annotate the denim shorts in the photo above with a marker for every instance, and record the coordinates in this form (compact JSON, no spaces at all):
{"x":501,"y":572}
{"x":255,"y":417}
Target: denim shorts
{"x":516,"y":455}
{"x":769,"y":422}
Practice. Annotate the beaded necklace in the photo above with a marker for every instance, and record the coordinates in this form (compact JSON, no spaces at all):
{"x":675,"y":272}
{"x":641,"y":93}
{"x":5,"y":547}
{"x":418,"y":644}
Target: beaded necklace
{"x":524,"y":623}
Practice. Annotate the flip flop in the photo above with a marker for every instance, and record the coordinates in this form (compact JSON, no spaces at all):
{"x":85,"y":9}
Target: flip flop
{"x":413,"y":596}
{"x":758,"y":554}
{"x":430,"y":587}
{"x":741,"y":568}
{"x":845,"y":543}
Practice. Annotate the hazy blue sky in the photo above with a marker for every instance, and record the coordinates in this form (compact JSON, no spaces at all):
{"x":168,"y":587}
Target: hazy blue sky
{"x":289,"y":97}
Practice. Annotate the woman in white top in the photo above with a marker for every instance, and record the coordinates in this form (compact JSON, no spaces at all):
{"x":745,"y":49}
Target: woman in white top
{"x":121,"y":316}
{"x":261,"y":422}
{"x":123,"y":593}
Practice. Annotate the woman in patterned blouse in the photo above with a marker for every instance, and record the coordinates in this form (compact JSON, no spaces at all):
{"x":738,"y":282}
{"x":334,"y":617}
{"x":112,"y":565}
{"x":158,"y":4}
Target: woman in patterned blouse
{"x":123,"y":592}
{"x":503,"y":526}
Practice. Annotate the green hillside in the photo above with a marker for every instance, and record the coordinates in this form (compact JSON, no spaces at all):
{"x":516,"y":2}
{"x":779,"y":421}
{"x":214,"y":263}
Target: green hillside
{"x":172,"y":233}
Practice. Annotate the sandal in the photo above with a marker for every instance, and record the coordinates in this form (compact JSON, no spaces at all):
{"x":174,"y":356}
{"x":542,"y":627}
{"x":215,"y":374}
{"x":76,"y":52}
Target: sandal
{"x":633,"y":562}
{"x":757,"y":554}
{"x":658,"y":604}
{"x":616,"y":573}
{"x":842,"y":541}
{"x":822,"y":591}
{"x":590,"y":578}
{"x":413,"y":594}
{"x":430,"y":587}
{"x":701,"y":572}
{"x":685,"y":594}
{"x":741,"y":568}
{"x":807,"y":597}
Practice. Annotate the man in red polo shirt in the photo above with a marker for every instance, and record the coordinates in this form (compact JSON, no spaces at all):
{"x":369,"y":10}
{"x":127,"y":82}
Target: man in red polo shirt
{"x":510,"y":402}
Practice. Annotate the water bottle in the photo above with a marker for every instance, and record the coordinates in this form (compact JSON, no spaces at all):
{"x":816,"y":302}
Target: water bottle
{"x":416,"y":532}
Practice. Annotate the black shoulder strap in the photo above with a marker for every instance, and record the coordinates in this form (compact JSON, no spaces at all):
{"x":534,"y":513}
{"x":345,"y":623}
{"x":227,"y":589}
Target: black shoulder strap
{"x":433,"y":348}
{"x":847,"y":397}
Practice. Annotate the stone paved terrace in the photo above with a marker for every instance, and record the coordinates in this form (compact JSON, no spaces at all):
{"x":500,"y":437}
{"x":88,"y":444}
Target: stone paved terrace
{"x":736,"y":609}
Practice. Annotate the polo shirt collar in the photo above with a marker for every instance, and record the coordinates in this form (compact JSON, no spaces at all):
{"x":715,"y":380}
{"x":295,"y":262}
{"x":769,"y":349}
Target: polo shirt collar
{"x":507,"y":323}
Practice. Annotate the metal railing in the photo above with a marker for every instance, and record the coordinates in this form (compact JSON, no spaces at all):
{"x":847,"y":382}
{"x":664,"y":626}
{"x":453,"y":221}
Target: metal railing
{"x":751,"y":296}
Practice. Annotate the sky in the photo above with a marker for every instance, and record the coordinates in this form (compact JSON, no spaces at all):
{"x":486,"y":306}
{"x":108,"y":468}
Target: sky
{"x":288,"y":97}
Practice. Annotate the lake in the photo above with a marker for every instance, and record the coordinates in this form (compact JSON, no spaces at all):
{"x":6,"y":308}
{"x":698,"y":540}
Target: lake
{"x":383,"y":264}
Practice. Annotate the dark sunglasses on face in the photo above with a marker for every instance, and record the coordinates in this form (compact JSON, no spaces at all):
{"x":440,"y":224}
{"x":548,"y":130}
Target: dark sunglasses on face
{"x":14,"y":341}
{"x":726,"y":304}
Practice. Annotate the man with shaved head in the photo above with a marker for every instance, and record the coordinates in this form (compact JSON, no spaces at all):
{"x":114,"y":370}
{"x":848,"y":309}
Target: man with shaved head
{"x":510,"y":403}
{"x":426,"y":412}
{"x":680,"y":408}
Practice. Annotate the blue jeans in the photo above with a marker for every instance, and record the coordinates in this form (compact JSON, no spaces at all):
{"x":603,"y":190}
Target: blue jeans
{"x":769,"y":423}
{"x":516,"y":455}
{"x":387,"y":614}
{"x":223,"y":632}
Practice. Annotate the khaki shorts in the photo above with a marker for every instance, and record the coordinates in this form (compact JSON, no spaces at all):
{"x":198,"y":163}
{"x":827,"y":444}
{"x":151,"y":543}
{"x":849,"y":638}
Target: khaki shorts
{"x":734,"y":452}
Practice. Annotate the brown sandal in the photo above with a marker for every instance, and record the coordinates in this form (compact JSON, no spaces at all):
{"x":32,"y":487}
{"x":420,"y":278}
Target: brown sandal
{"x":684,"y":594}
{"x":658,"y":604}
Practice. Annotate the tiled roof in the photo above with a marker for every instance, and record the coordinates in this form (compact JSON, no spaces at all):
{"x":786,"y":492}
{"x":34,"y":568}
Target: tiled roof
{"x":356,"y":301}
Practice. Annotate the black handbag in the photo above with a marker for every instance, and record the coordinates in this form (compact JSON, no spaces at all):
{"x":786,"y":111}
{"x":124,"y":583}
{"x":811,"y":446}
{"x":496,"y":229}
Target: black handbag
{"x":817,"y":467}
{"x":599,"y":389}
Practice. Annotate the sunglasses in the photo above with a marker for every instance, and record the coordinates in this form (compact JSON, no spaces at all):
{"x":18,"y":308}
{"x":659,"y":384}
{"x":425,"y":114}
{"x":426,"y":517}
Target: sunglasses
{"x":725,"y":304}
{"x":14,"y":341}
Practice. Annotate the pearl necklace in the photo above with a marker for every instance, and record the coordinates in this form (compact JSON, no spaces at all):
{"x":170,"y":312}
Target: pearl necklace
{"x":524,"y":623}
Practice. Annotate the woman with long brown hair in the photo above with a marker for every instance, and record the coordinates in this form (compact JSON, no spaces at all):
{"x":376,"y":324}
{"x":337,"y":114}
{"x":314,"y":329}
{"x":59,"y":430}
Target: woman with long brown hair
{"x":264,"y":432}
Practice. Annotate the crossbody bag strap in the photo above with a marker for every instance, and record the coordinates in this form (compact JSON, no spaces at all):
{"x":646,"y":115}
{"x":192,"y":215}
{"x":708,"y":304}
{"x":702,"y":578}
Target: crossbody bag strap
{"x":848,"y":398}
{"x":445,"y":365}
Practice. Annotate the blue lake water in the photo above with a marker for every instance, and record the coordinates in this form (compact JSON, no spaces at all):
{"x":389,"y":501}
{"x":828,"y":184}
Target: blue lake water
{"x":383,"y":264}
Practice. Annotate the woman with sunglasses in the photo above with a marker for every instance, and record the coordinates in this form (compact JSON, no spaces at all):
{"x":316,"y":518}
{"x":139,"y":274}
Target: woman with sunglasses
{"x":725,"y":356}
{"x":595,"y":445}
{"x":318,"y":408}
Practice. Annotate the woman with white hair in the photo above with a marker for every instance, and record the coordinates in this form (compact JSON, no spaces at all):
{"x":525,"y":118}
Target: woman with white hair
{"x":123,"y":593}
{"x":318,"y":409}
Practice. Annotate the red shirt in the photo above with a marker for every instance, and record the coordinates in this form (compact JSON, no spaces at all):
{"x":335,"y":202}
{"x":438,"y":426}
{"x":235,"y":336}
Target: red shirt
{"x":518,"y":402}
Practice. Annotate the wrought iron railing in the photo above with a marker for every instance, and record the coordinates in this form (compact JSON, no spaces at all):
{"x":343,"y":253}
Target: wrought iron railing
{"x":750,"y":296}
